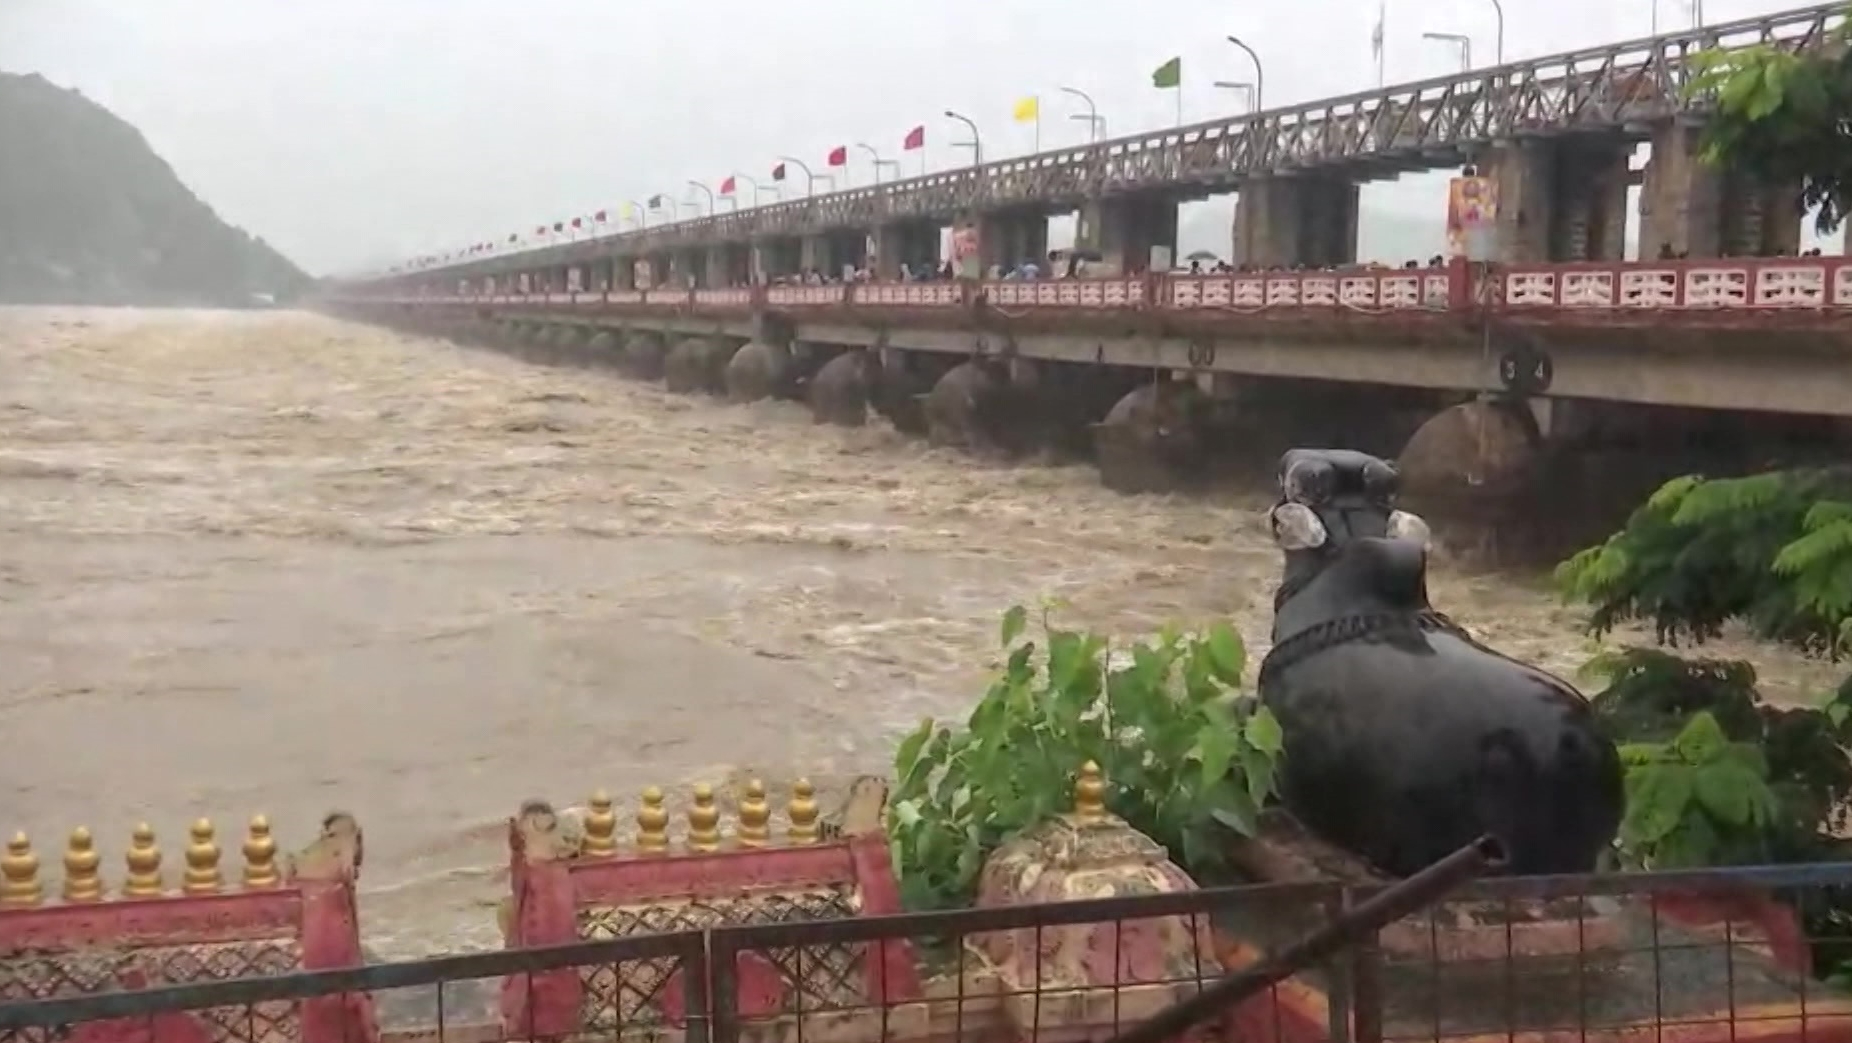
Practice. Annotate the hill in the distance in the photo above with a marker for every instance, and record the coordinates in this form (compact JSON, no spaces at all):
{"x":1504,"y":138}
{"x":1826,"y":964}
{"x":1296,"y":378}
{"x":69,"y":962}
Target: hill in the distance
{"x":89,"y":214}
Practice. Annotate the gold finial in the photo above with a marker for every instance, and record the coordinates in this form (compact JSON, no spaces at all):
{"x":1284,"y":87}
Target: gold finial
{"x":703,"y":820}
{"x":652,"y":824}
{"x":202,"y":861}
{"x":260,"y":856}
{"x":80,"y":861}
{"x":600,"y":826}
{"x":144,"y":862}
{"x":19,"y":875}
{"x":755,"y":813}
{"x":802,"y":811}
{"x":1090,"y":794}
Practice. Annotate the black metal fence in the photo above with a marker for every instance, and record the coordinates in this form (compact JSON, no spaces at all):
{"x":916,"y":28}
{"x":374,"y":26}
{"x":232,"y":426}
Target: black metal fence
{"x":1609,"y":957}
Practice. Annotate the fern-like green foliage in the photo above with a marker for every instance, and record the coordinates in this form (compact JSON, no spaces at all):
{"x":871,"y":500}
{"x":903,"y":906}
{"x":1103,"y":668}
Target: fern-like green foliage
{"x":1773,"y":550}
{"x":1796,"y":753}
{"x":1778,"y":118}
{"x":1697,"y":800}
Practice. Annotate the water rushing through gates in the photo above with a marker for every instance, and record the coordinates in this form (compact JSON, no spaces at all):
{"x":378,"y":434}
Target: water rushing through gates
{"x":275,"y":562}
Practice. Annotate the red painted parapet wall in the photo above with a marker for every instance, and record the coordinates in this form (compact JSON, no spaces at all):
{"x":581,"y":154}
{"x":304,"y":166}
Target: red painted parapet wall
{"x":293,"y":914}
{"x":573,"y":881}
{"x":1530,"y":291}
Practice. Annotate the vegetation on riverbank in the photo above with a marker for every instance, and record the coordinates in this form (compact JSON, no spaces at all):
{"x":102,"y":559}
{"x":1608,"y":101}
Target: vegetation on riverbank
{"x":1183,"y":754}
{"x":1716,"y":775}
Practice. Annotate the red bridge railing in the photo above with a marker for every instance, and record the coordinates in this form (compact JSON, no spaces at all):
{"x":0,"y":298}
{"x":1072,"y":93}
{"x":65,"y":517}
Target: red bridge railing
{"x":1736,"y":285}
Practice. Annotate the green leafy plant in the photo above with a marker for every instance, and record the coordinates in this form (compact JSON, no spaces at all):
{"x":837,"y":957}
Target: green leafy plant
{"x":1777,"y":118}
{"x":1698,"y":800}
{"x":1772,"y":550}
{"x":1180,"y":749}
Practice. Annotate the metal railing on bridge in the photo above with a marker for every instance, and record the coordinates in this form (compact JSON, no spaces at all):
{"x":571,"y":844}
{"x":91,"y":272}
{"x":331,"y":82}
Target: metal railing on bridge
{"x":1424,"y":123}
{"x":1607,"y":958}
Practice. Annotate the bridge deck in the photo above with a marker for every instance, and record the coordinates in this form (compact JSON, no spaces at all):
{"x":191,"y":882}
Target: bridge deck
{"x":1763,"y":334}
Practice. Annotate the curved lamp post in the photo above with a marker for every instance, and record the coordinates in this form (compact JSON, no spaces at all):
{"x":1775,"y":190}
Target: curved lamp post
{"x":879,"y":162}
{"x":810,"y":178}
{"x":756,"y":189}
{"x":977,"y":140}
{"x":710,"y":195}
{"x":1095,"y":125}
{"x":1242,"y":87}
{"x":1260,"y":73}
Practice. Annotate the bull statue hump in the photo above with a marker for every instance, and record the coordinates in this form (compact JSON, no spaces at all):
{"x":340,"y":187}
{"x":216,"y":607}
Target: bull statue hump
{"x":1405,"y":738}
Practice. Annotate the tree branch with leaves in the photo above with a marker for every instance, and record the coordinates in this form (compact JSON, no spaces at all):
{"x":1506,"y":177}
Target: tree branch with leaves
{"x":1784,"y":117}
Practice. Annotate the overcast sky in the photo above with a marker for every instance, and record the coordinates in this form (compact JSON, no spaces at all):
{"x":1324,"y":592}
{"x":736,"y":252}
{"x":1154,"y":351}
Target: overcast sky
{"x":354,"y":132}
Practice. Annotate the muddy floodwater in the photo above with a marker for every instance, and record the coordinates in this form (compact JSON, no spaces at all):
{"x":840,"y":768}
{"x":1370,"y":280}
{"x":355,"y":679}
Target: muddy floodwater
{"x":275,"y":562}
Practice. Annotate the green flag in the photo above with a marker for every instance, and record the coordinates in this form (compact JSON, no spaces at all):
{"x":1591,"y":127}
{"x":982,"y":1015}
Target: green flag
{"x":1169,"y":74}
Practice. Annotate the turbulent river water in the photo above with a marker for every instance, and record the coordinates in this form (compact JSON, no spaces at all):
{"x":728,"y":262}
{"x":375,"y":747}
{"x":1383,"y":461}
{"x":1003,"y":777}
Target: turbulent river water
{"x":275,"y":562}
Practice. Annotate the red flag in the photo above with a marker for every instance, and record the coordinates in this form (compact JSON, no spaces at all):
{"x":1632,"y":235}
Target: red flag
{"x":599,"y":217}
{"x":542,"y":230}
{"x":778,"y":172}
{"x":578,"y":222}
{"x":839,"y":156}
{"x":916,"y":139}
{"x":727,"y":186}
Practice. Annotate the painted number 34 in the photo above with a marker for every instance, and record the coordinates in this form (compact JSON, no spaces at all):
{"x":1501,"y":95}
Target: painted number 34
{"x":1525,"y":371}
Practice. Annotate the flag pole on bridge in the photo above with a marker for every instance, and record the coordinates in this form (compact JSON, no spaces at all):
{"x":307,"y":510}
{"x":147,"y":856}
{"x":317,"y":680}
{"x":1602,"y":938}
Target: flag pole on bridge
{"x":1029,"y":110}
{"x":1169,"y":76}
{"x":915,"y":141}
{"x":1376,"y":40}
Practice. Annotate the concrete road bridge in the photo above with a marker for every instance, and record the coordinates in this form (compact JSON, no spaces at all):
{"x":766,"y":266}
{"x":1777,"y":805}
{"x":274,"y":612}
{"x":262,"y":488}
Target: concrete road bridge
{"x":1470,"y":371}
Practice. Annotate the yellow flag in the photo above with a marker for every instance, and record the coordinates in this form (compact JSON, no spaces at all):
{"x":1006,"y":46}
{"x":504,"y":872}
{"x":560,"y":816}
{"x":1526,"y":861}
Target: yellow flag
{"x":630,"y":211}
{"x":1028,"y":110}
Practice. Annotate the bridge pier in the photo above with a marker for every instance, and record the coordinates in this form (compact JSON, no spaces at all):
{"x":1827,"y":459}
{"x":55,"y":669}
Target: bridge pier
{"x":715,"y":269}
{"x":1690,"y":208}
{"x":1283,"y":222}
{"x":1560,"y":200}
{"x":778,"y":257}
{"x":1007,"y":238}
{"x":914,"y":244}
{"x":814,"y":254}
{"x":1123,"y":229}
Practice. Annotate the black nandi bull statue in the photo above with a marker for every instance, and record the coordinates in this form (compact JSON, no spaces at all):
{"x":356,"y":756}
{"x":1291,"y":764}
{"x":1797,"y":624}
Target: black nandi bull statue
{"x":1405,"y":738}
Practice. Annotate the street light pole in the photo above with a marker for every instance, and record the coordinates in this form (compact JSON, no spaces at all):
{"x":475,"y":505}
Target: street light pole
{"x":810,"y":179}
{"x":1464,"y":43}
{"x":1260,"y":73}
{"x":642,"y":214}
{"x":710,"y":195}
{"x":977,"y":140}
{"x":879,"y":162}
{"x":1093,"y":112}
{"x":755,"y":187}
{"x":1242,"y":87}
{"x":1498,"y":43}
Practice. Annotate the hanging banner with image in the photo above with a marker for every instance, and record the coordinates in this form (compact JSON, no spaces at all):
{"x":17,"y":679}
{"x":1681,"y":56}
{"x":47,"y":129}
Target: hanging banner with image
{"x":967,"y":259}
{"x":1472,"y":218}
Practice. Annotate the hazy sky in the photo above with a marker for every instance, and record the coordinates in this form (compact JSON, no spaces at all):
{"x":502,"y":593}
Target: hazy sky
{"x":354,"y":132}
